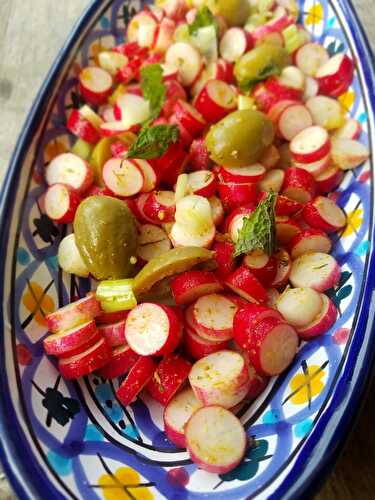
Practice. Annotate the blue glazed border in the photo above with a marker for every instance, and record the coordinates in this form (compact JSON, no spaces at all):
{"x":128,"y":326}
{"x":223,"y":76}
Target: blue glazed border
{"x":330,"y":430}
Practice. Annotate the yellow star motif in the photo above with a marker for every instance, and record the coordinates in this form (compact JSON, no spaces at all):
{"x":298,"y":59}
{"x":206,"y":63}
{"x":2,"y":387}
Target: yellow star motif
{"x":124,"y":485}
{"x":354,"y":222}
{"x":315,"y":15}
{"x":302,"y":381}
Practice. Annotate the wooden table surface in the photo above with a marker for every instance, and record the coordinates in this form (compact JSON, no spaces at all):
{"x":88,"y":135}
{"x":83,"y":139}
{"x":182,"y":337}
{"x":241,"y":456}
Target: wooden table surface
{"x":31,"y":33}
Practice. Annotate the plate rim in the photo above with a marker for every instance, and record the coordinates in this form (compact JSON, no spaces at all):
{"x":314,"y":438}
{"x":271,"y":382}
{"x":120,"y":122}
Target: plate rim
{"x":359,"y":370}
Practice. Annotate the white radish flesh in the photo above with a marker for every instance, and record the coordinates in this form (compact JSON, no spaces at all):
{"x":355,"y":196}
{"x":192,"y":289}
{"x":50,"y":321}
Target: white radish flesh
{"x":323,"y":213}
{"x":293,"y":120}
{"x":316,"y":270}
{"x":311,"y":88}
{"x":112,"y":61}
{"x":300,"y":306}
{"x":149,"y":175}
{"x":348,"y":154}
{"x":310,"y":240}
{"x":272,"y":181}
{"x":217,"y":210}
{"x":214,"y":313}
{"x":176,"y":415}
{"x":293,"y":77}
{"x":322,"y":323}
{"x":123,"y":177}
{"x":310,"y":57}
{"x":194,"y":213}
{"x":234,"y":44}
{"x":326,"y":112}
{"x":69,"y":169}
{"x":351,"y":129}
{"x":310,"y":145}
{"x":152,"y":242}
{"x":187,"y":59}
{"x":314,"y":168}
{"x":70,"y":259}
{"x":132,"y":109}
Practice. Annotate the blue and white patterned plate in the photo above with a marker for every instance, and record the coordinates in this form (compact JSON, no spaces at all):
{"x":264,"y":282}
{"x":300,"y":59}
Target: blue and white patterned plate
{"x":75,"y":440}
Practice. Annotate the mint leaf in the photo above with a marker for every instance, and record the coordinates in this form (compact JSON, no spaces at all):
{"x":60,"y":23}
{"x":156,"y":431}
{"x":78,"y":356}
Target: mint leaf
{"x":153,"y":142}
{"x":153,"y":88}
{"x":259,"y":229}
{"x":203,"y":18}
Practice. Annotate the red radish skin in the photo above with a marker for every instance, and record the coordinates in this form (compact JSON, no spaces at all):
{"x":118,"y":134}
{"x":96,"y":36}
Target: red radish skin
{"x":82,"y":128}
{"x":189,"y":118}
{"x":174,"y":92}
{"x":299,"y":185}
{"x":243,"y":175}
{"x":122,"y":360}
{"x":264,"y":98}
{"x":351,"y":129}
{"x":278,"y":108}
{"x":188,"y":287}
{"x":310,"y":145}
{"x":116,"y":129}
{"x":203,"y":183}
{"x":159,"y":206}
{"x":114,"y":333}
{"x":73,"y":314}
{"x":221,"y":378}
{"x":216,"y":100}
{"x":152,"y":330}
{"x":171,"y":164}
{"x":336,"y":75}
{"x":270,"y":157}
{"x":169,"y":72}
{"x":284,"y":266}
{"x":286,"y":229}
{"x":236,"y":219}
{"x":310,"y":57}
{"x":69,"y":340}
{"x":272,"y":346}
{"x":247,"y":318}
{"x":138,"y":377}
{"x":329,"y":180}
{"x":212,"y":317}
{"x":272,"y":297}
{"x":123,"y":177}
{"x":198,"y":347}
{"x":106,"y":318}
{"x":322,"y":323}
{"x":186,"y":137}
{"x":262,"y":266}
{"x":177,"y":413}
{"x":119,"y":149}
{"x":234,"y":195}
{"x":95,"y":85}
{"x":315,"y":168}
{"x":217,"y":210}
{"x":323,"y":213}
{"x":316,"y":270}
{"x":71,"y":170}
{"x":215,"y":439}
{"x":310,"y":240}
{"x":90,"y":342}
{"x":286,"y":206}
{"x":258,"y":384}
{"x":281,"y":91}
{"x":245,"y":284}
{"x":164,"y":36}
{"x":224,"y":258}
{"x":169,"y":377}
{"x":150,"y":178}
{"x":86,"y":362}
{"x":235,"y":43}
{"x":199,"y":157}
{"x":293,"y":120}
{"x":61,"y":203}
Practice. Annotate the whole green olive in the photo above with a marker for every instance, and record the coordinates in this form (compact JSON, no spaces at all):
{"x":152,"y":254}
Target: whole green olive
{"x":240,"y":139}
{"x":106,"y":237}
{"x":235,"y":12}
{"x":260,"y":62}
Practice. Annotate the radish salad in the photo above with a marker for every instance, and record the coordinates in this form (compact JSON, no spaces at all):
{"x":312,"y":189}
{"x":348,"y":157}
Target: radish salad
{"x":198,"y":188}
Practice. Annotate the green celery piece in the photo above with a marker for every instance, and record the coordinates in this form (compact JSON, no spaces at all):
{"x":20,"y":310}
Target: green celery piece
{"x":82,"y":149}
{"x":116,"y":295}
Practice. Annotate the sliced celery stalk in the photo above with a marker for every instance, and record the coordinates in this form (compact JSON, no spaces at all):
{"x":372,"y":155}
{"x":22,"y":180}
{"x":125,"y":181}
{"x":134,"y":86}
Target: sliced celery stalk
{"x":205,"y":40}
{"x":116,"y":295}
{"x":246,"y":102}
{"x":292,"y":38}
{"x":82,"y":149}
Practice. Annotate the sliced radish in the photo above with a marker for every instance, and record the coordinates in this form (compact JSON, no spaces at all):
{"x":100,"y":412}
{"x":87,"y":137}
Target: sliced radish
{"x":282,"y":91}
{"x":329,"y":180}
{"x":131,"y":110}
{"x":311,"y":88}
{"x":348,"y":154}
{"x":234,"y":195}
{"x":187,"y":59}
{"x":272,"y":346}
{"x":159,"y":206}
{"x":236,"y":220}
{"x":212,"y":317}
{"x":174,"y":92}
{"x":326,"y":112}
{"x":199,"y":156}
{"x":235,"y":43}
{"x":217,"y":210}
{"x":224,"y":258}
{"x":286,"y":229}
{"x":86,"y":362}
{"x":216,"y":100}
{"x":142,"y":29}
{"x":107,"y":113}
{"x":245,"y":284}
{"x":270,"y":157}
{"x":152,"y":329}
{"x":336,"y":75}
{"x":106,"y":318}
{"x":246,"y":319}
{"x":215,"y":439}
{"x":272,"y":297}
{"x":70,"y":259}
{"x":310,"y":57}
{"x":194,"y":213}
{"x":186,"y":138}
{"x":322,"y":323}
{"x":294,"y":120}
{"x":138,"y":377}
{"x":190,"y":286}
{"x":265,"y":99}
{"x":123,"y":177}
{"x":273,"y":181}
{"x":66,"y":341}
{"x":82,"y":128}
{"x":95,"y":85}
{"x":315,"y":168}
{"x":123,"y":359}
{"x":198,"y":347}
{"x":310,"y":240}
{"x":316,"y":270}
{"x":299,"y":185}
{"x":71,"y":170}
{"x":152,"y":242}
{"x":169,"y":72}
{"x":150,"y":179}
{"x":170,"y":375}
{"x":285,"y":156}
{"x":164,"y":37}
{"x":351,"y":129}
{"x":286,"y":206}
{"x":263,"y":267}
{"x":323,"y":213}
{"x":221,"y":378}
{"x":300,"y":306}
{"x":189,"y":118}
{"x":177,"y":413}
{"x":114,"y":333}
{"x":73,"y":314}
{"x":242,"y":175}
{"x":291,"y":76}
{"x":310,"y":145}
{"x":175,"y":9}
{"x":114,"y":129}
{"x":284,"y":266}
{"x":61,"y":203}
{"x":278,"y":108}
{"x":112,"y":61}
{"x":183,"y":236}
{"x":203,"y":183}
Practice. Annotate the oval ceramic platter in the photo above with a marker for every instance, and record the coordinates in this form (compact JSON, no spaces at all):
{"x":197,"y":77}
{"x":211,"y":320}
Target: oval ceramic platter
{"x":75,"y":440}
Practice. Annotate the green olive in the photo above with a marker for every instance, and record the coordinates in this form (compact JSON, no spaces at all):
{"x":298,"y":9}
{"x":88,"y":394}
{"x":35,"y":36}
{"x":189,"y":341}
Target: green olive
{"x":106,"y":237}
{"x":235,"y":12}
{"x":260,"y":62}
{"x":240,"y":138}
